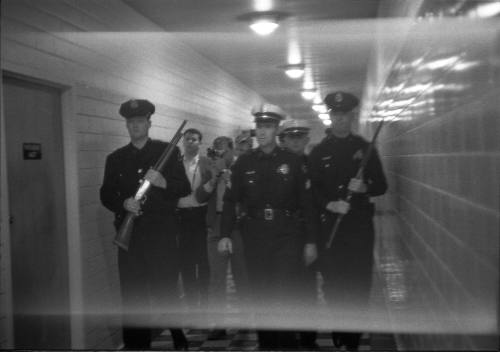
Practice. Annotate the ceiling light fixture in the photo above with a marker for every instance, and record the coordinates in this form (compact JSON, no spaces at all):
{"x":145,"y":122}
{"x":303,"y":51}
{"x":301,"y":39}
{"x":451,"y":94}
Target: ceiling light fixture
{"x":327,"y":122}
{"x":294,"y":70}
{"x":263,"y":22}
{"x":320,"y":108}
{"x":324,"y":116}
{"x":308,"y":94}
{"x":264,"y":26}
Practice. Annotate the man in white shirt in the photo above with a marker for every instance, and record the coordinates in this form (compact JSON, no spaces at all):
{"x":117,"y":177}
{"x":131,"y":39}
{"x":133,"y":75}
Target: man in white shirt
{"x":192,"y":211}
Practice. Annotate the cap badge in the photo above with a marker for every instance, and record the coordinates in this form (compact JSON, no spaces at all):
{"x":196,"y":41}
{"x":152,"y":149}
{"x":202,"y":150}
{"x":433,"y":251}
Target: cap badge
{"x":338,"y":97}
{"x":284,"y":169}
{"x":134,"y":104}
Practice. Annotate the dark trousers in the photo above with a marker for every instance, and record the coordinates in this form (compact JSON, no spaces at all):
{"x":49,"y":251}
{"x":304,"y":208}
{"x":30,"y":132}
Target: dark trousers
{"x":273,"y":254}
{"x":347,"y":269}
{"x":148,"y":279}
{"x":194,"y":255}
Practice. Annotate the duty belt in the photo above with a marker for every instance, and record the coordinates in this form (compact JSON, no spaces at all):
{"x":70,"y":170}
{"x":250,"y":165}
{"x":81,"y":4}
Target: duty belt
{"x":268,"y":213}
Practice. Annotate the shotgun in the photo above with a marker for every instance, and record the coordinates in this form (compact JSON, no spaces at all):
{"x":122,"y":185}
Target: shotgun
{"x":122,"y":238}
{"x":359,"y":175}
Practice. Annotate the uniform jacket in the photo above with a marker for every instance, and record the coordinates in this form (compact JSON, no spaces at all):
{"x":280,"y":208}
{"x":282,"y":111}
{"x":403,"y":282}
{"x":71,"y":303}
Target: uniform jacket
{"x":123,"y":172}
{"x":334,"y":162}
{"x":276,"y":180}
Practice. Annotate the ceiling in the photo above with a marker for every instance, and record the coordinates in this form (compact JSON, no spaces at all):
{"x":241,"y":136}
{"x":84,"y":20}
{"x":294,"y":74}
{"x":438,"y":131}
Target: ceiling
{"x":333,"y":38}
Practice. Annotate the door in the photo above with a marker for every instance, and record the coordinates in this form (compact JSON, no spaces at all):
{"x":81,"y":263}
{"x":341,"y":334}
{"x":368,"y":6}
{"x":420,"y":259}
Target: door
{"x":37,"y":215}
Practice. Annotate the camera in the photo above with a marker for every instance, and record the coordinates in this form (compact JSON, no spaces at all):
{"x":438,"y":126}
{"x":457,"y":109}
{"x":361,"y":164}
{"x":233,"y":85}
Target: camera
{"x":214,"y":153}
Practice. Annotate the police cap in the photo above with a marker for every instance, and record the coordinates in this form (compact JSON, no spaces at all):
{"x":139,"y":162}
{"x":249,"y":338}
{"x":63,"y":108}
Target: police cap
{"x":244,"y":136}
{"x":268,"y":113}
{"x":136,"y":107}
{"x":341,"y":101}
{"x":294,"y":127}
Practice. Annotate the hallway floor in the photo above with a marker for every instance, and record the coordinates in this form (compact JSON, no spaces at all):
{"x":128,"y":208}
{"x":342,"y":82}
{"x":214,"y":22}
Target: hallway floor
{"x":247,"y":341}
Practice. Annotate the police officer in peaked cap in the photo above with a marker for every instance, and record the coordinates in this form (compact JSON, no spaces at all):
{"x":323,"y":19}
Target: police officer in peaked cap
{"x":243,"y":143}
{"x":271,"y":188}
{"x":347,"y":265}
{"x":148,"y":270}
{"x":295,"y":136}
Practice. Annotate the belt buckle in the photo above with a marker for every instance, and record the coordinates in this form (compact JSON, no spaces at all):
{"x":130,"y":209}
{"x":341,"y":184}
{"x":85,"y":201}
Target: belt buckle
{"x":268,"y":214}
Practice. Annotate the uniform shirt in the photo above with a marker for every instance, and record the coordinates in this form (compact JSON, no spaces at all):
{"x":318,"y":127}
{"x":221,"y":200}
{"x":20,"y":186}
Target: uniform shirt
{"x":335,"y":161}
{"x":124,"y":171}
{"x":275,"y":180}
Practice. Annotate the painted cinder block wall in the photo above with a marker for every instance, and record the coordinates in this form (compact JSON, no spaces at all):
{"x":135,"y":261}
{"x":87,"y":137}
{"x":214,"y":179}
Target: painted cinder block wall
{"x":442,"y":160}
{"x":61,"y":42}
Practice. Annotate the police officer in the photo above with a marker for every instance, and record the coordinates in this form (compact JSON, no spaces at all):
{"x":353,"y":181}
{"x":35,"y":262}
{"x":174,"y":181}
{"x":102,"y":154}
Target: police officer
{"x":148,"y":270}
{"x":347,"y":266}
{"x":271,"y":187}
{"x":243,"y":143}
{"x":295,"y":138}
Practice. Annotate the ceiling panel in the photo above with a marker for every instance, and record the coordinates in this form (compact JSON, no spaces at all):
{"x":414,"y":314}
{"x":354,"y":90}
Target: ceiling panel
{"x":335,"y":39}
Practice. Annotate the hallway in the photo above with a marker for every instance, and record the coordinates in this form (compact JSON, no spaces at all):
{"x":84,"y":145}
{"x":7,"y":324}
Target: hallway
{"x":428,"y":70}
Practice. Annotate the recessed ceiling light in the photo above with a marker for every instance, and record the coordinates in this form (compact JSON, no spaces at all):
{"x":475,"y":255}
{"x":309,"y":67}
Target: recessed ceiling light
{"x":324,"y":116}
{"x":294,"y":70}
{"x":264,"y":26}
{"x":321,"y":108}
{"x":263,"y":22}
{"x":308,"y":94}
{"x":327,"y":122}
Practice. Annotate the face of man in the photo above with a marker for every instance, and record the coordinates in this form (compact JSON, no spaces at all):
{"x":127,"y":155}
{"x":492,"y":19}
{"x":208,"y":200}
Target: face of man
{"x":191,"y":143}
{"x":224,"y":151}
{"x":138,"y":127}
{"x":242,"y":148}
{"x":341,"y":123}
{"x":265,"y":133}
{"x":296,"y":143}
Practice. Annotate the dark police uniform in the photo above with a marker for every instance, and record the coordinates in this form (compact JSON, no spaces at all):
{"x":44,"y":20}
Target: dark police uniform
{"x":308,"y":289}
{"x":271,"y":189}
{"x":149,"y":269}
{"x":347,"y":266}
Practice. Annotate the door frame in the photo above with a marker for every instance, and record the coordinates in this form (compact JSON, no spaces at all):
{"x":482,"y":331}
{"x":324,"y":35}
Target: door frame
{"x":71,"y":183}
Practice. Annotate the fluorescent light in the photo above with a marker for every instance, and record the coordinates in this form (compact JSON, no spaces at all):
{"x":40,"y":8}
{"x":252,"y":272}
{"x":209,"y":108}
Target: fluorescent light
{"x":294,"y":71}
{"x":263,"y":5}
{"x":324,"y":116}
{"x":264,"y":25}
{"x":327,"y":122}
{"x":321,"y":108}
{"x":308,"y":94}
{"x":486,"y":10}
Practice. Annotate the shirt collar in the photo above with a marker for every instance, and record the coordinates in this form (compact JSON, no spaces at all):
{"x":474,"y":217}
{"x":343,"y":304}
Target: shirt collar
{"x":192,"y":161}
{"x":273,"y":153}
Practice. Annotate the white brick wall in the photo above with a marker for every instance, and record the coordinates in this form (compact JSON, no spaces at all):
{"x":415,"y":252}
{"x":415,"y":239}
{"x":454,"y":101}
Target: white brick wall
{"x":58,"y":41}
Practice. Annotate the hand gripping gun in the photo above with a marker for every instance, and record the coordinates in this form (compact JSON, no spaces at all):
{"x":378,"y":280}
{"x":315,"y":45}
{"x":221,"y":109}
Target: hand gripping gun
{"x":122,"y":238}
{"x":359,"y":175}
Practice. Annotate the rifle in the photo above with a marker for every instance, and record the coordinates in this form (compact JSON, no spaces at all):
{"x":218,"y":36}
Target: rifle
{"x":359,"y":175}
{"x":122,"y":238}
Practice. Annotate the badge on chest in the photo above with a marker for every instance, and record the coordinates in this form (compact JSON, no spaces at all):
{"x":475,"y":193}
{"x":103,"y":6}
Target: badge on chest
{"x":283,"y":169}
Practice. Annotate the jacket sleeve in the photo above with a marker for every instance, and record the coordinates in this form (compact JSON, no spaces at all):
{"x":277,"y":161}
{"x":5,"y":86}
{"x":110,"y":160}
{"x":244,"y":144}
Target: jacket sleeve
{"x":232,"y":196}
{"x":315,"y":173}
{"x":110,"y":194}
{"x":206,"y":189}
{"x":374,"y":176}
{"x":306,"y":202}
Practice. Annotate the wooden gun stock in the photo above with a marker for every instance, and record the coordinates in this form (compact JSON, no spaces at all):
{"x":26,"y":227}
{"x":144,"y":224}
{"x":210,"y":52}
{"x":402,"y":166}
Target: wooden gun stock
{"x":122,"y":238}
